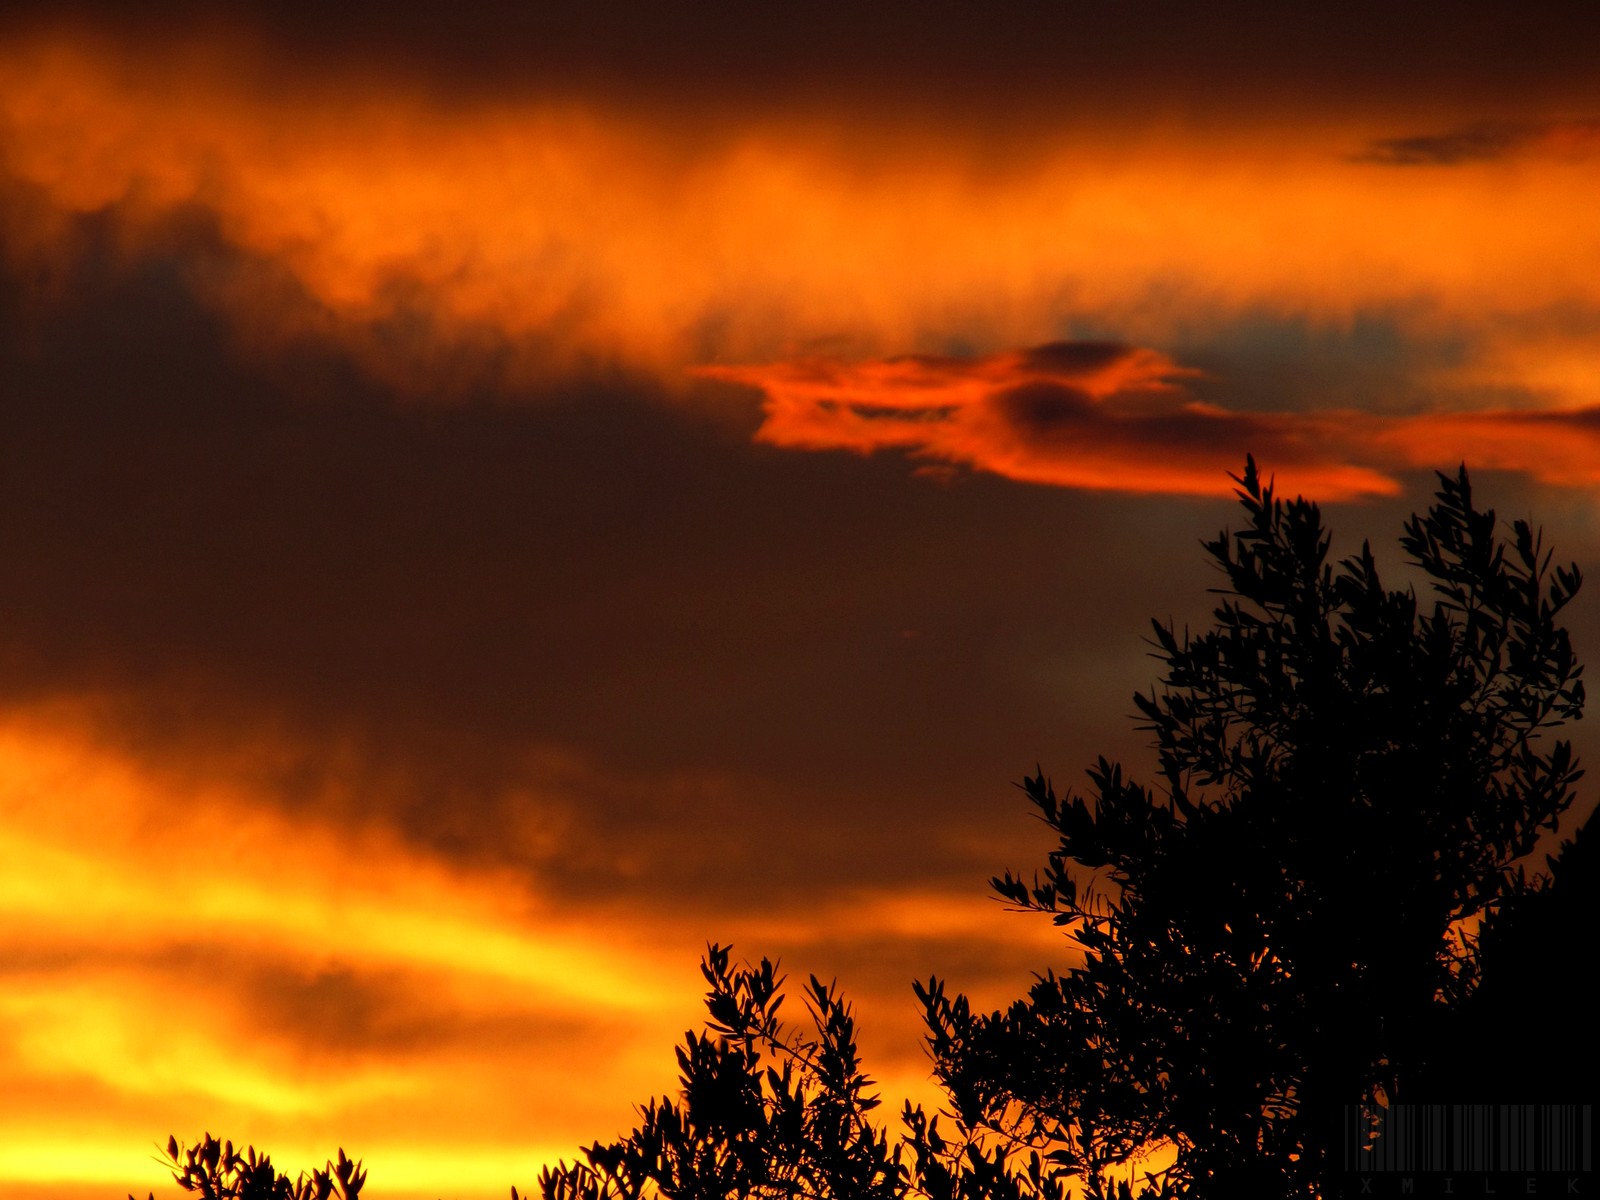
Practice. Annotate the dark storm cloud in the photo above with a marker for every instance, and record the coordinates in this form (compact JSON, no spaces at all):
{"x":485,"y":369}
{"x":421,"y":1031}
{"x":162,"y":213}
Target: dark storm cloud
{"x":1098,"y":56}
{"x":1045,"y":409}
{"x":1075,"y":358}
{"x":1382,"y":360}
{"x":1050,"y":412}
{"x":584,"y":630}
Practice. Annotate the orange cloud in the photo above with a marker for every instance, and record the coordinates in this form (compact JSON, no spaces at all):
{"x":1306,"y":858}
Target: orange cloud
{"x":186,"y":964}
{"x":1117,"y":418}
{"x":437,"y":238}
{"x":1560,"y":447}
{"x":1085,"y":415}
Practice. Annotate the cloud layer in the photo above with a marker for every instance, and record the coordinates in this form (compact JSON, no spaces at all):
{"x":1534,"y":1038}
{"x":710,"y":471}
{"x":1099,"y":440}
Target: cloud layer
{"x":1117,"y":418}
{"x":1005,"y":66}
{"x":448,"y":245}
{"x":426,"y":615}
{"x":378,"y":770}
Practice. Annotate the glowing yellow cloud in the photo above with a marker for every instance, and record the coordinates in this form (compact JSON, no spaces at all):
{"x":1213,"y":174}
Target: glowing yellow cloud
{"x":139,"y":924}
{"x":183,"y":955}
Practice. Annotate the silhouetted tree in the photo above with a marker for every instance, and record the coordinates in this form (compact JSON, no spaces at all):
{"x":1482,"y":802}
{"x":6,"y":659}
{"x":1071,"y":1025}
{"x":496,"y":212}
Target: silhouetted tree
{"x":217,"y":1171}
{"x":761,"y":1113}
{"x":764,"y":1111}
{"x":1536,"y":975}
{"x":1349,"y":780}
{"x":1322,"y":902}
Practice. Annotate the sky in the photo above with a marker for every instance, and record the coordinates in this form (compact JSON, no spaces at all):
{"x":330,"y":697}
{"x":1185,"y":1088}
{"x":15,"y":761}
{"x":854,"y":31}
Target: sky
{"x":496,"y":497}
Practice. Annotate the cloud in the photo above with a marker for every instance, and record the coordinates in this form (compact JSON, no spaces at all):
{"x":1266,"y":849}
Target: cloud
{"x":202,"y":951}
{"x":305,"y":981}
{"x":467,"y":725}
{"x":579,"y":631}
{"x":1161,"y":57}
{"x":406,"y":669}
{"x":1485,"y":141}
{"x":1116,"y":418}
{"x":1083,"y":415}
{"x":1475,"y":143}
{"x":1560,"y":448}
{"x":456,"y":243}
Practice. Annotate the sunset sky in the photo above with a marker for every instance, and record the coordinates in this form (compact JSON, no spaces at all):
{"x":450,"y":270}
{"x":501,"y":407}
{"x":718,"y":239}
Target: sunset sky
{"x":495,"y":496}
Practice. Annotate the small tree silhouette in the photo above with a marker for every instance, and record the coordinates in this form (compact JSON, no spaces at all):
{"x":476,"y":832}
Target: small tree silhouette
{"x":217,"y":1171}
{"x":762,"y":1112}
{"x":1349,"y":781}
{"x":767,"y":1112}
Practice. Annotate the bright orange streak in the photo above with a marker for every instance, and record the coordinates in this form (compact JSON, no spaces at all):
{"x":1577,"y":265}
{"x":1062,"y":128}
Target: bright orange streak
{"x":129,"y":914}
{"x":241,"y":872}
{"x":150,"y":919}
{"x":1114,"y":418}
{"x":1561,"y":447}
{"x":583,"y":235}
{"x":1095,"y":416}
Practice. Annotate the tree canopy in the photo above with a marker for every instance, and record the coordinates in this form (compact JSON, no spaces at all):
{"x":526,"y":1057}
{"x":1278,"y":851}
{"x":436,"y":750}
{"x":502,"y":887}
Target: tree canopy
{"x":214,"y":1169}
{"x":1349,"y":780}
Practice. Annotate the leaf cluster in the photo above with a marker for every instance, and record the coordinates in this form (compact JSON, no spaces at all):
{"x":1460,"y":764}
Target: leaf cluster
{"x":214,"y":1169}
{"x":766,"y":1111}
{"x":762,"y":1111}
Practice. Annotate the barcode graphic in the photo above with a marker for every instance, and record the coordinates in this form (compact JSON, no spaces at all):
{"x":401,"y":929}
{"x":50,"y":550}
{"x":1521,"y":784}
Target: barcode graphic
{"x":1423,"y":1138}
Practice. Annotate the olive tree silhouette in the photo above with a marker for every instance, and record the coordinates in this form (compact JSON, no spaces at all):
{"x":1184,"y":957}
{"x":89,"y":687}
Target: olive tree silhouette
{"x":1349,"y":781}
{"x":213,"y":1168}
{"x":768,"y":1112}
{"x":762,"y":1112}
{"x":1530,"y":978}
{"x":1321,"y":901}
